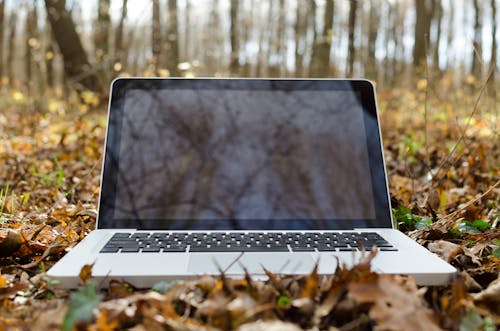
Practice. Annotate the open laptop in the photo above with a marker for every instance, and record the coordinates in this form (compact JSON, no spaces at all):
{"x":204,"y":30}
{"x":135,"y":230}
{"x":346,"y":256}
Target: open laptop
{"x":204,"y":175}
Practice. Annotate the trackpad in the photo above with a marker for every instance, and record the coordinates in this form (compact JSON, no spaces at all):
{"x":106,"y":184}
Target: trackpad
{"x":236,"y":263}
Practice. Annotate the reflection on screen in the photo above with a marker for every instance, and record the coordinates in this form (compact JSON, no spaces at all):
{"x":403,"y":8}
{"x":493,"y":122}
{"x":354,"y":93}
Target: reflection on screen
{"x":235,"y":154}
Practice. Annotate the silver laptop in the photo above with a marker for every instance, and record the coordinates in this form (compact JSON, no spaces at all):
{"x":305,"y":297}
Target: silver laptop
{"x":208,"y":175}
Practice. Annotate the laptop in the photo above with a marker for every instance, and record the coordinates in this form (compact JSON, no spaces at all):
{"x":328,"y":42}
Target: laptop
{"x":203,"y":176}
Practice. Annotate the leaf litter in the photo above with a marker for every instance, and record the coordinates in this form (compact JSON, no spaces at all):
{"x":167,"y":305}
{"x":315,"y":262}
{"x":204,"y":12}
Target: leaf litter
{"x":49,"y":185}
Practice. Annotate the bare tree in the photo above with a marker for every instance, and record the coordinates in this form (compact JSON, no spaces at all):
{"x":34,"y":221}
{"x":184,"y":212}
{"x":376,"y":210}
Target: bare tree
{"x":172,"y":39}
{"x":320,"y":57}
{"x":423,"y":10}
{"x":119,"y":56}
{"x":476,"y":43}
{"x":493,"y":57}
{"x":234,"y":63}
{"x":31,"y":43}
{"x":156,"y":36}
{"x":351,"y":50}
{"x":300,"y":39}
{"x":76,"y":64}
{"x":2,"y":18}
{"x":102,"y":28}
{"x":11,"y":47}
{"x":373,"y":27}
{"x":437,"y":17}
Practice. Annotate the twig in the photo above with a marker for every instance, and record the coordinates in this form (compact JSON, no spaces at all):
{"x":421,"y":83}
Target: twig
{"x":488,"y":191}
{"x":45,"y":254}
{"x":462,"y":136}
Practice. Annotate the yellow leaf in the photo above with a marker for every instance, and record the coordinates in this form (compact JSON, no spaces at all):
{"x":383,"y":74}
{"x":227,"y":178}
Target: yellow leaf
{"x":442,"y":197}
{"x":3,"y":281}
{"x":422,"y":84}
{"x":86,"y":272}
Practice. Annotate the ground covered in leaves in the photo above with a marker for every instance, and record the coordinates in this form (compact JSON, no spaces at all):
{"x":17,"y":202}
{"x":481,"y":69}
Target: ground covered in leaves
{"x":443,"y":161}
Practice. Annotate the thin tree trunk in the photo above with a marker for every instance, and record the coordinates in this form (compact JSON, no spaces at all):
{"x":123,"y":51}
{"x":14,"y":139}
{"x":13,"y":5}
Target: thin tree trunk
{"x":438,"y":17}
{"x":11,"y":47}
{"x":422,"y":29}
{"x":351,"y":50}
{"x":187,"y":32}
{"x":119,"y":49}
{"x":101,"y":36}
{"x":172,"y":40}
{"x":49,"y":64}
{"x":300,"y":31}
{"x":156,"y":37}
{"x":451,"y":33}
{"x":28,"y":57}
{"x":76,"y":64}
{"x":2,"y":19}
{"x":280,"y":44}
{"x":493,"y":58}
{"x":320,"y":57}
{"x":234,"y":63}
{"x":373,"y":26}
{"x":476,"y":44}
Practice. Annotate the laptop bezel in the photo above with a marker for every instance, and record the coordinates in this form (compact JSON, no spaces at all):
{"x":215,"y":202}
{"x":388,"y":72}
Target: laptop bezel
{"x":120,"y":86}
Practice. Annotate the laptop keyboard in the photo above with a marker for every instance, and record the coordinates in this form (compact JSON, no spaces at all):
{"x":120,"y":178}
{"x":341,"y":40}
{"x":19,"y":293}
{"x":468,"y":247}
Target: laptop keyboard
{"x":167,"y":242}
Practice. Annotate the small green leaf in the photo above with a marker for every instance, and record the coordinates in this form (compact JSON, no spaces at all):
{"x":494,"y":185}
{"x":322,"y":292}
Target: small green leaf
{"x":81,"y":305}
{"x":284,"y":301}
{"x":481,"y":225}
{"x":468,"y":227}
{"x":471,"y":322}
{"x":163,"y":286}
{"x":496,"y":252}
{"x":423,"y":223}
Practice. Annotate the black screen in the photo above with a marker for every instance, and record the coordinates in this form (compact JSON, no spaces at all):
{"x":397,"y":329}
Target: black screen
{"x":237,"y":158}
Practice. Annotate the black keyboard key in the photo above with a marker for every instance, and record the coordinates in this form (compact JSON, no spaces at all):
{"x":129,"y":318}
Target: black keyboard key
{"x":302,"y":249}
{"x":109,"y":250}
{"x":130,"y":249}
{"x":388,"y":249}
{"x":154,"y":249}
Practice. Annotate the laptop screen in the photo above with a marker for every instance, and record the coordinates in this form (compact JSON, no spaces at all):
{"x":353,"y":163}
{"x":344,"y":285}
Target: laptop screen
{"x":241,"y":154}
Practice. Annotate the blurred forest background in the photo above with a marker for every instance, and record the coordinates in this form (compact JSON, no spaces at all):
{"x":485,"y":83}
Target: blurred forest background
{"x":435,"y":66}
{"x":58,"y":46}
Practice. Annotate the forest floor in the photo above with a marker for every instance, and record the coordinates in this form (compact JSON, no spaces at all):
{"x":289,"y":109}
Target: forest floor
{"x":443,"y":161}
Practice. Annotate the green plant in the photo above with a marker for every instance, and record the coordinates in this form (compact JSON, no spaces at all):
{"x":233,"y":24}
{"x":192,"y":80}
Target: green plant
{"x":407,"y":221}
{"x":3,"y":197}
{"x":54,"y":178}
{"x":478,"y":226}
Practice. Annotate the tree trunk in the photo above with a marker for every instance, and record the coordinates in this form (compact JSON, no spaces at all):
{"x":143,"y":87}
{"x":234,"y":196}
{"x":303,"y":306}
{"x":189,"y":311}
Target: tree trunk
{"x":493,"y":58}
{"x":300,"y":42}
{"x":172,"y":40}
{"x":476,"y":67}
{"x":320,"y":57}
{"x":2,"y":19}
{"x":31,"y":44}
{"x":102,"y":27}
{"x":49,"y":64}
{"x":156,"y":37}
{"x":11,"y":47}
{"x":76,"y":65}
{"x":422,"y":29}
{"x":351,"y":50}
{"x":187,"y":32}
{"x":373,"y":27}
{"x":438,"y":17}
{"x":119,"y":53}
{"x":234,"y":63}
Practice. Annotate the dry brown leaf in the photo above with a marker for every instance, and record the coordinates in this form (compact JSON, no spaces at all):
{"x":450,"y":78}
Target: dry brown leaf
{"x":490,"y":297}
{"x":445,"y":249}
{"x":269,"y":326}
{"x":10,"y":242}
{"x":86,"y":273}
{"x":395,"y":304}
